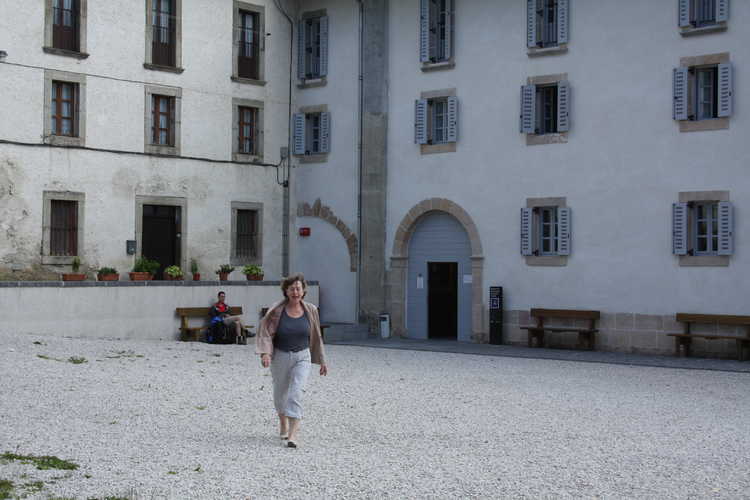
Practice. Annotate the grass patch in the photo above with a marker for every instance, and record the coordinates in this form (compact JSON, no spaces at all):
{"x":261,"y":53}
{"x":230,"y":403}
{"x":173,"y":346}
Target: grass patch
{"x":50,"y":358}
{"x":6,"y":488}
{"x":173,"y":473}
{"x":200,"y":407}
{"x":77,"y":360}
{"x":34,"y":487}
{"x":124,"y":354}
{"x":43,"y":462}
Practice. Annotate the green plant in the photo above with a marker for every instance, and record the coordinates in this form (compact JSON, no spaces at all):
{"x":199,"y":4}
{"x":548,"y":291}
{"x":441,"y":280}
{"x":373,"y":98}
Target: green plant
{"x":75,"y":264}
{"x":41,"y":462}
{"x":106,"y":270}
{"x":77,"y":360}
{"x":193,"y":266}
{"x":174,"y":271}
{"x":144,"y":265}
{"x":224,"y":268}
{"x":252,"y":270}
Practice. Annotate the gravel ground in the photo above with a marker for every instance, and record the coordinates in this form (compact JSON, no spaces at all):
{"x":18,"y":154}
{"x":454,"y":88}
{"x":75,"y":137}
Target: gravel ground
{"x":146,"y":419}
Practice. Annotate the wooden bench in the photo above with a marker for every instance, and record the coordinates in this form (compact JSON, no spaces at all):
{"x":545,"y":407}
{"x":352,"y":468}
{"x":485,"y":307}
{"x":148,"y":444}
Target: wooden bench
{"x":194,"y":333}
{"x":683,"y":341}
{"x":585,"y":334}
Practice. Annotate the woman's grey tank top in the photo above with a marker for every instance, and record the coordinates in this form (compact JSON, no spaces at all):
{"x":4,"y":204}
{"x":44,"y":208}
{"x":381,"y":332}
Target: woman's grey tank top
{"x":292,"y":334}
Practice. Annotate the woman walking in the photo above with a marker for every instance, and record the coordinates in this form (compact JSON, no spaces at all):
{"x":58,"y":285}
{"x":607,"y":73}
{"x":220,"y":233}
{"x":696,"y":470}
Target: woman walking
{"x":288,"y":341}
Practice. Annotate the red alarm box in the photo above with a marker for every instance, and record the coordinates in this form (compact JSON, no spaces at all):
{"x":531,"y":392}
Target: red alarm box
{"x":304,"y":231}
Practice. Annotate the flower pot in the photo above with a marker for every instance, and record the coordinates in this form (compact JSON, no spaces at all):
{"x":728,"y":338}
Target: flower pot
{"x":173,"y":278}
{"x":223,"y":276}
{"x":140,"y":276}
{"x":196,"y":276}
{"x":73,"y":277}
{"x":108,"y":277}
{"x":254,"y":277}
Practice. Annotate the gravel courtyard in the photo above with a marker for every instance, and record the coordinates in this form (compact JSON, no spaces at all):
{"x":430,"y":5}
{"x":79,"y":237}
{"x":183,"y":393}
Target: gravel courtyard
{"x":147,"y":419}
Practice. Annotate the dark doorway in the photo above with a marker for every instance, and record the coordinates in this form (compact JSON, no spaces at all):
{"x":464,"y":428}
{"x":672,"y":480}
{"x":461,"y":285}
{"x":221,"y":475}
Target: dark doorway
{"x":442,"y":300}
{"x":161,"y":236}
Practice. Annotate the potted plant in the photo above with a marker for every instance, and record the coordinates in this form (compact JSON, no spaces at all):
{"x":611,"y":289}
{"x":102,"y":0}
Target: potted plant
{"x":224,"y":271}
{"x":75,"y":265}
{"x":194,"y":270}
{"x":253,"y":272}
{"x":107,"y":274}
{"x":173,"y":273}
{"x":144,"y":269}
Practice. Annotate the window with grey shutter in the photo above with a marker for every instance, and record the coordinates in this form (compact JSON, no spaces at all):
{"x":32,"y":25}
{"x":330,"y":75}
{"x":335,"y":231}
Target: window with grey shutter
{"x":725,"y":90}
{"x":435,"y":30}
{"x":424,"y":30}
{"x":563,"y":106}
{"x":726,"y":228}
{"x":526,"y":231}
{"x":680,"y":93}
{"x":531,"y":23}
{"x":679,"y":228}
{"x":325,"y":132}
{"x":528,"y":109}
{"x":452,"y":119}
{"x":563,"y":222}
{"x":301,"y":50}
{"x":562,"y":21}
{"x":420,"y":121}
{"x":299,"y":133}
{"x":324,"y":46}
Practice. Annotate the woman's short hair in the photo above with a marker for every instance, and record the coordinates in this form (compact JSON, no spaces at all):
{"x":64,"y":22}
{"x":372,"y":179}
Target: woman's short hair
{"x":290,"y":280}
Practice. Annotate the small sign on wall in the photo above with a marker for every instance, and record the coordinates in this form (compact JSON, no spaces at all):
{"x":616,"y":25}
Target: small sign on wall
{"x":468,"y":279}
{"x":420,"y":282}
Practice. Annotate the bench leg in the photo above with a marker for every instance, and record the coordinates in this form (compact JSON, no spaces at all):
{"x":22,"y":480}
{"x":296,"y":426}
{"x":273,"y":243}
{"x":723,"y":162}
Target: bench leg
{"x":682,"y":346}
{"x":741,"y":346}
{"x":586,"y":341}
{"x":531,"y":338}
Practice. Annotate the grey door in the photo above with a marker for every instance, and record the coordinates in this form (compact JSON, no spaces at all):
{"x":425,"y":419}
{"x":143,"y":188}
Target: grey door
{"x":438,"y":238}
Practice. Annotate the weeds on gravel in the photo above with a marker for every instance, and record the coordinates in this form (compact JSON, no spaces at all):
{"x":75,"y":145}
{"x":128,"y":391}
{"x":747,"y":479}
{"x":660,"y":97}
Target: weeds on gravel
{"x":6,"y":488}
{"x":34,"y":487}
{"x":43,"y":462}
{"x":77,"y":360}
{"x":124,"y":354}
{"x":44,"y":356}
{"x":200,"y":408}
{"x":36,"y":342}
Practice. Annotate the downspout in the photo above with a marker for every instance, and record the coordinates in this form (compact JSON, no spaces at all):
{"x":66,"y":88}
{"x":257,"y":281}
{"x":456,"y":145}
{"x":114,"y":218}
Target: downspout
{"x":360,"y":154}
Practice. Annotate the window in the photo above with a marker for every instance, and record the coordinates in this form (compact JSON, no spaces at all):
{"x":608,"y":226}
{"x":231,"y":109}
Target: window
{"x":312,"y":130}
{"x":545,"y":229}
{"x":546,"y":25}
{"x":162,"y":119}
{"x":545,"y":106}
{"x":703,"y":92}
{"x":246,"y":243}
{"x":65,"y":28}
{"x":248,"y":130}
{"x":436,"y":120}
{"x":164,"y":35}
{"x":312,"y":46}
{"x":247,"y":139}
{"x":703,"y":225}
{"x":248,"y":50}
{"x":697,"y":16}
{"x":64,"y":108}
{"x":62,"y":235}
{"x":436,"y":31}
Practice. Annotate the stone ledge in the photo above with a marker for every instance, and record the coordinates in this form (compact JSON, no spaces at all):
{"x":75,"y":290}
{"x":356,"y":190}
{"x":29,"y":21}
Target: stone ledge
{"x":168,"y":69}
{"x":152,"y":283}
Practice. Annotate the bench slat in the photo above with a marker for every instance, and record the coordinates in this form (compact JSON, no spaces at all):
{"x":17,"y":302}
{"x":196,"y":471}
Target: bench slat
{"x":712,"y":318}
{"x":559,"y":329}
{"x":194,"y":312}
{"x":565,"y":313}
{"x":709,"y":336}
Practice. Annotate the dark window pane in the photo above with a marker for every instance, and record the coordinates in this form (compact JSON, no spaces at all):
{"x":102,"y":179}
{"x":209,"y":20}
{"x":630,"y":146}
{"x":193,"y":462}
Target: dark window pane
{"x":246,"y":234}
{"x":64,"y":228}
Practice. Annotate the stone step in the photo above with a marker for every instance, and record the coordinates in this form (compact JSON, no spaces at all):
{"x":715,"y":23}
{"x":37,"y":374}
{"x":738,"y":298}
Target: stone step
{"x":346,"y":331}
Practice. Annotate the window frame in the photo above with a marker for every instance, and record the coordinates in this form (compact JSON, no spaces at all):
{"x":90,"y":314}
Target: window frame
{"x":693,"y":258}
{"x":237,"y":154}
{"x":81,"y":31}
{"x":307,"y":156}
{"x":712,"y":224}
{"x":175,"y":95}
{"x":538,"y":257}
{"x":257,"y":208}
{"x":547,"y":81}
{"x":259,"y":12}
{"x":176,"y":18}
{"x":78,"y":80}
{"x":691,"y":66}
{"x":306,"y":78}
{"x":47,"y":198}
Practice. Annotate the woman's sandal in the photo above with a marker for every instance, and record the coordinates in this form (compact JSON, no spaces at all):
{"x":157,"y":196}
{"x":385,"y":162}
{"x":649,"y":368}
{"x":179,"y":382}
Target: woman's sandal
{"x":291,"y":444}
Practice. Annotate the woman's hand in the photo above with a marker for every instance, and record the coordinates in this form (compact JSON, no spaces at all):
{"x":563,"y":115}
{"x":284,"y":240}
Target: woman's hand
{"x":265,"y":360}
{"x":323,"y":370}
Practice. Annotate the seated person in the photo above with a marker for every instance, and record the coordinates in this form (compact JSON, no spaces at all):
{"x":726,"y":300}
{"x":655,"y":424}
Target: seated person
{"x":219,"y":313}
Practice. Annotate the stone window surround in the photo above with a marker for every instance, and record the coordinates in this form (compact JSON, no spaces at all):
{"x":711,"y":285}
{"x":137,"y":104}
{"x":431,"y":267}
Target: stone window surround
{"x":148,"y":64}
{"x":557,"y":138}
{"x":315,"y":157}
{"x":244,"y":157}
{"x":261,"y":11}
{"x":702,"y":125}
{"x":547,"y":51}
{"x":323,"y":80}
{"x":175,"y":92}
{"x":79,"y":121}
{"x":47,"y":197}
{"x":173,"y":201}
{"x":702,"y":260}
{"x":258,"y":208}
{"x":546,"y":260}
{"x":449,"y":63}
{"x":713,"y":28}
{"x":82,"y":37}
{"x":443,"y":147}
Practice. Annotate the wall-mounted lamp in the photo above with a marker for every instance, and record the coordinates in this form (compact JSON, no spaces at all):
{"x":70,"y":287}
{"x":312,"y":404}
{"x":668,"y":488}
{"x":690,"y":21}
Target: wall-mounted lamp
{"x":3,"y":54}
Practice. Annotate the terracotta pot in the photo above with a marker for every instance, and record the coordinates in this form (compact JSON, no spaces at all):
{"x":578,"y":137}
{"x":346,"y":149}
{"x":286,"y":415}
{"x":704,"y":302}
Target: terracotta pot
{"x":73,"y":277}
{"x":140,"y":276}
{"x":196,"y":276}
{"x":173,"y":278}
{"x":254,"y":277}
{"x":108,"y":277}
{"x":223,"y":276}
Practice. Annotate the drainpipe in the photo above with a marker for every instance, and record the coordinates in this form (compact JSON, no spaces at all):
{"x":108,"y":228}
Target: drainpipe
{"x":360,"y":154}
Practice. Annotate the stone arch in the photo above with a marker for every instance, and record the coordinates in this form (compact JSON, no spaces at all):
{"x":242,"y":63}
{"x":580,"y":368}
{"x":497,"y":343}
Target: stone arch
{"x":324,"y":212}
{"x":399,"y":262}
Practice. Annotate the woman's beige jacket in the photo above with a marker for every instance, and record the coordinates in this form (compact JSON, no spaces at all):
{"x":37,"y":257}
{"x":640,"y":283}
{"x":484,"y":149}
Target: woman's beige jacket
{"x":270,"y":322}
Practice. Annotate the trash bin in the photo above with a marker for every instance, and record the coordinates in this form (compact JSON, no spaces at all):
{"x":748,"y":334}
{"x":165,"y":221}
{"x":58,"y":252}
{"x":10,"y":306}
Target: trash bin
{"x":385,"y":325}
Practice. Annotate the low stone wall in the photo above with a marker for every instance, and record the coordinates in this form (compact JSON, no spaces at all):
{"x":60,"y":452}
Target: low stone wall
{"x":125,"y":309}
{"x":627,"y":332}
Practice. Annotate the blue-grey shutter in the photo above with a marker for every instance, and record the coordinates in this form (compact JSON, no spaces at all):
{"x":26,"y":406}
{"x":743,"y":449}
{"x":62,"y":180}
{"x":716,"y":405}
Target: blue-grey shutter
{"x":424,"y":30}
{"x":325,"y":132}
{"x":301,"y":50}
{"x":323,"y":45}
{"x":531,"y":23}
{"x":680,"y":94}
{"x":725,"y":90}
{"x":679,"y":228}
{"x":726,"y":228}
{"x":528,"y":106}
{"x":299,"y":133}
{"x":722,"y":11}
{"x":683,"y":13}
{"x":526,"y":231}
{"x":563,"y":106}
{"x":448,"y":42}
{"x":452,"y":119}
{"x":562,"y":21}
{"x":420,"y":121}
{"x":563,"y":231}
